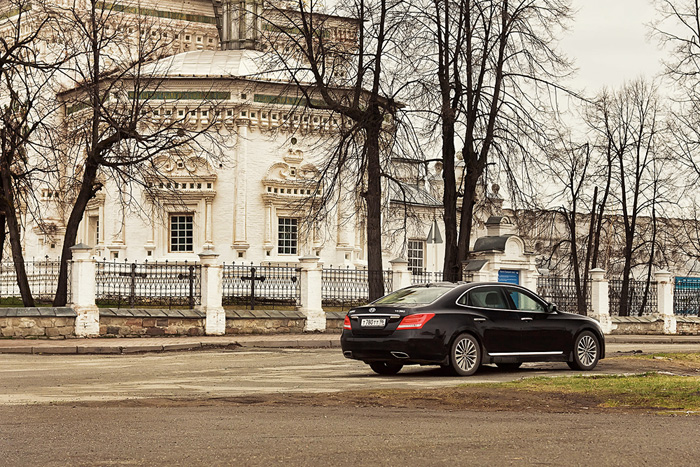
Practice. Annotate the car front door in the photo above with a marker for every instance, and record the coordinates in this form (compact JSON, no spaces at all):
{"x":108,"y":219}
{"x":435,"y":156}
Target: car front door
{"x":499,"y":326}
{"x":541,"y":331}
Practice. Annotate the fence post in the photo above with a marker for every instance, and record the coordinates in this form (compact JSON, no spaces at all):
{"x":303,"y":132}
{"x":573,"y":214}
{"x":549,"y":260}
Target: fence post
{"x":311,"y":305}
{"x":400,"y":274}
{"x":215,"y":323}
{"x":664,"y":285}
{"x":87,"y":321}
{"x":600,"y":303}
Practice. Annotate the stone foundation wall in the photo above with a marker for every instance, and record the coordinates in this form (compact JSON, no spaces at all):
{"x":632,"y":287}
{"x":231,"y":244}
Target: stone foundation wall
{"x":149,"y":327}
{"x":654,"y":325}
{"x":626,"y":325}
{"x":139,"y":322}
{"x":688,"y":325}
{"x":50,"y":323}
{"x":275,"y":321}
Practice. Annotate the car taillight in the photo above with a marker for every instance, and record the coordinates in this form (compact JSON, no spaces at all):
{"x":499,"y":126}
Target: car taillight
{"x":415,"y":321}
{"x":346,"y":323}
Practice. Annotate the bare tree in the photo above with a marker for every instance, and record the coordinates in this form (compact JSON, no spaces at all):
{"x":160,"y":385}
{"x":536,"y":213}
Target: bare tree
{"x":629,"y":125}
{"x":570,"y":167}
{"x":113,"y":128}
{"x":495,"y":67}
{"x":25,"y":120}
{"x":344,"y":61}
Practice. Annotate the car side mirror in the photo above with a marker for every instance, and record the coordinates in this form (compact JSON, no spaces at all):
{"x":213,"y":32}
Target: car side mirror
{"x":551,"y":308}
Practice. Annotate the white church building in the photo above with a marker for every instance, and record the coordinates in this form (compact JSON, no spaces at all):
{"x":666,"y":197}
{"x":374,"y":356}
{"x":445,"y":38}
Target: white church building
{"x":249,"y":204}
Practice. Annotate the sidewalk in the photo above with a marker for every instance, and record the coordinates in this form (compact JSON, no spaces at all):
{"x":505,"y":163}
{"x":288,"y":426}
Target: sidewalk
{"x":125,"y":345}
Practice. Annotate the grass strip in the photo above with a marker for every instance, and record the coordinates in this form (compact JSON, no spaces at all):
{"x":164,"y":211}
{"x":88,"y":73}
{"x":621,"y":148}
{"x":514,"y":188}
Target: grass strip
{"x":649,"y":390}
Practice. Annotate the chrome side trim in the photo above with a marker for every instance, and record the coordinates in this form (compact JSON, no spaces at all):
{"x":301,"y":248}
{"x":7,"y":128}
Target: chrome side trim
{"x":515,"y":354}
{"x":479,"y":319}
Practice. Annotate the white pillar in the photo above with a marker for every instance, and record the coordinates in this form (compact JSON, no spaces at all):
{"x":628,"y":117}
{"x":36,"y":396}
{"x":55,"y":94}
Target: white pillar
{"x":664,"y":284}
{"x":240,"y":201}
{"x":311,"y":270}
{"x":600,"y":302}
{"x":208,"y":225}
{"x":87,"y":321}
{"x":215,"y":323}
{"x":401,"y":276}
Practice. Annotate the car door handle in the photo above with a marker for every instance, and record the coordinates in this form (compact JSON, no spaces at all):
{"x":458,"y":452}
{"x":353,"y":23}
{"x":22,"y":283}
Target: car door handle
{"x":525,"y":319}
{"x":479,"y":319}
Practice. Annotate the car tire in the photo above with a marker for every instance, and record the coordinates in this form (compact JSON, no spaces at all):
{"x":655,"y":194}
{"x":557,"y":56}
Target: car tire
{"x":509,"y":366}
{"x":465,"y":355}
{"x":586,"y":352}
{"x":384,"y":368}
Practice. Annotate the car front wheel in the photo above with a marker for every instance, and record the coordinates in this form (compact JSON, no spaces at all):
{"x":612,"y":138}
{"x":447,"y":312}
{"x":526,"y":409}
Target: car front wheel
{"x":465,"y":355}
{"x":384,"y":368}
{"x":586,"y":352}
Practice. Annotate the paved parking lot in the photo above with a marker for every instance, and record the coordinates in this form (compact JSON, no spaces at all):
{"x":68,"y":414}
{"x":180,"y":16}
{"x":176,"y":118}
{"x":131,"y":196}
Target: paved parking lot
{"x":29,"y":379}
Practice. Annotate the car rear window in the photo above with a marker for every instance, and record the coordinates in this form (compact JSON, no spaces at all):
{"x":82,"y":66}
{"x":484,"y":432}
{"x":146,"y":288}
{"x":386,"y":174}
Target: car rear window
{"x":413,"y":296}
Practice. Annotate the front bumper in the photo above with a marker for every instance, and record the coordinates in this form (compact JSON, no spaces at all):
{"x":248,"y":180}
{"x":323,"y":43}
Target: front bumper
{"x":405,"y":347}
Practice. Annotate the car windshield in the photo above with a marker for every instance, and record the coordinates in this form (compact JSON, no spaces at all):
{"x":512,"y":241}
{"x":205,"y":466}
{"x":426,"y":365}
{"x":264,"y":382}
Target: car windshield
{"x":413,"y":296}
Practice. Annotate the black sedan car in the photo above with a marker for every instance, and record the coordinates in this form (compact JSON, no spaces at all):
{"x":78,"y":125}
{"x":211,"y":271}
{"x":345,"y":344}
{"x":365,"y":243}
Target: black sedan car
{"x":461,"y":326}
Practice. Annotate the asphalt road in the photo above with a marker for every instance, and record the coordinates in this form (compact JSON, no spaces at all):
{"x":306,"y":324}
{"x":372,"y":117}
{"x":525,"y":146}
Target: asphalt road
{"x":320,"y":436}
{"x":61,"y":410}
{"x":30,"y":379}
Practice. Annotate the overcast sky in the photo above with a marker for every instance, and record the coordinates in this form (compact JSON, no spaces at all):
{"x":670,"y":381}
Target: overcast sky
{"x":608,"y":41}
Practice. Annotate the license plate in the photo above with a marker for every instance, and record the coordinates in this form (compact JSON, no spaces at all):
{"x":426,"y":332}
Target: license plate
{"x":373,"y":323}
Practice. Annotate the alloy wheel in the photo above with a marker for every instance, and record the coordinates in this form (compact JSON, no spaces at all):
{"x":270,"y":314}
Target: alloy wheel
{"x":587,"y":350}
{"x":466,"y":355}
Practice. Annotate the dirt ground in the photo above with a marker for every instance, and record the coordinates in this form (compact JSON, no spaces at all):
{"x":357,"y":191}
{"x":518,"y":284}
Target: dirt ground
{"x":472,"y":397}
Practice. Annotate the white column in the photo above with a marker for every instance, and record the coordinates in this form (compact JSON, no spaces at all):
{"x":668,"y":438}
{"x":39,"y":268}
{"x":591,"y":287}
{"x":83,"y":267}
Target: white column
{"x":87,"y":323}
{"x":600,"y":304}
{"x":240,"y":202}
{"x":215,"y":323}
{"x":311,"y":270}
{"x":209,"y":225}
{"x":664,"y":284}
{"x":400,"y":274}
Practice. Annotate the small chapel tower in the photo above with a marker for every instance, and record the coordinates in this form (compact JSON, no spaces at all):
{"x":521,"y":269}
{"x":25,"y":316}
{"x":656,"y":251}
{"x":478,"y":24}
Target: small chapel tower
{"x":239,"y":23}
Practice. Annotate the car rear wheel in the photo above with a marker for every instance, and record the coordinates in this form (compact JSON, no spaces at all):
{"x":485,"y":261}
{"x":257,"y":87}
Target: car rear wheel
{"x":384,"y":368}
{"x":586,"y":352}
{"x":465,"y":355}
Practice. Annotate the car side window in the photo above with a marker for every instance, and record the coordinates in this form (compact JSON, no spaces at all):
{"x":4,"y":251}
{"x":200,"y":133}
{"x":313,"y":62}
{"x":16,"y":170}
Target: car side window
{"x":487,"y":297}
{"x":525,"y":302}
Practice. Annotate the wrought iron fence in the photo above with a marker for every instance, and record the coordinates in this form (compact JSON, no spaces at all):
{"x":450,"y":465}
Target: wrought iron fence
{"x":562,"y":292}
{"x":42,"y":276}
{"x":425,"y":277}
{"x":165,"y":284}
{"x":686,"y":296}
{"x":346,"y":288}
{"x":267,"y":285}
{"x":635,"y":298}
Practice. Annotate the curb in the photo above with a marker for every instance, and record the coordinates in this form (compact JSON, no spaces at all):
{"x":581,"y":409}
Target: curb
{"x":139,"y":349}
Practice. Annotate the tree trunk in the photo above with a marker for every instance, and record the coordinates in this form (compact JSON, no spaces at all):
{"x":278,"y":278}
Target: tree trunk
{"x":3,"y":234}
{"x":624,"y":293}
{"x":373,"y":199}
{"x":14,"y":229}
{"x":450,"y":269}
{"x":86,"y":193}
{"x":578,"y":283}
{"x":589,"y":246}
{"x":465,"y":225}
